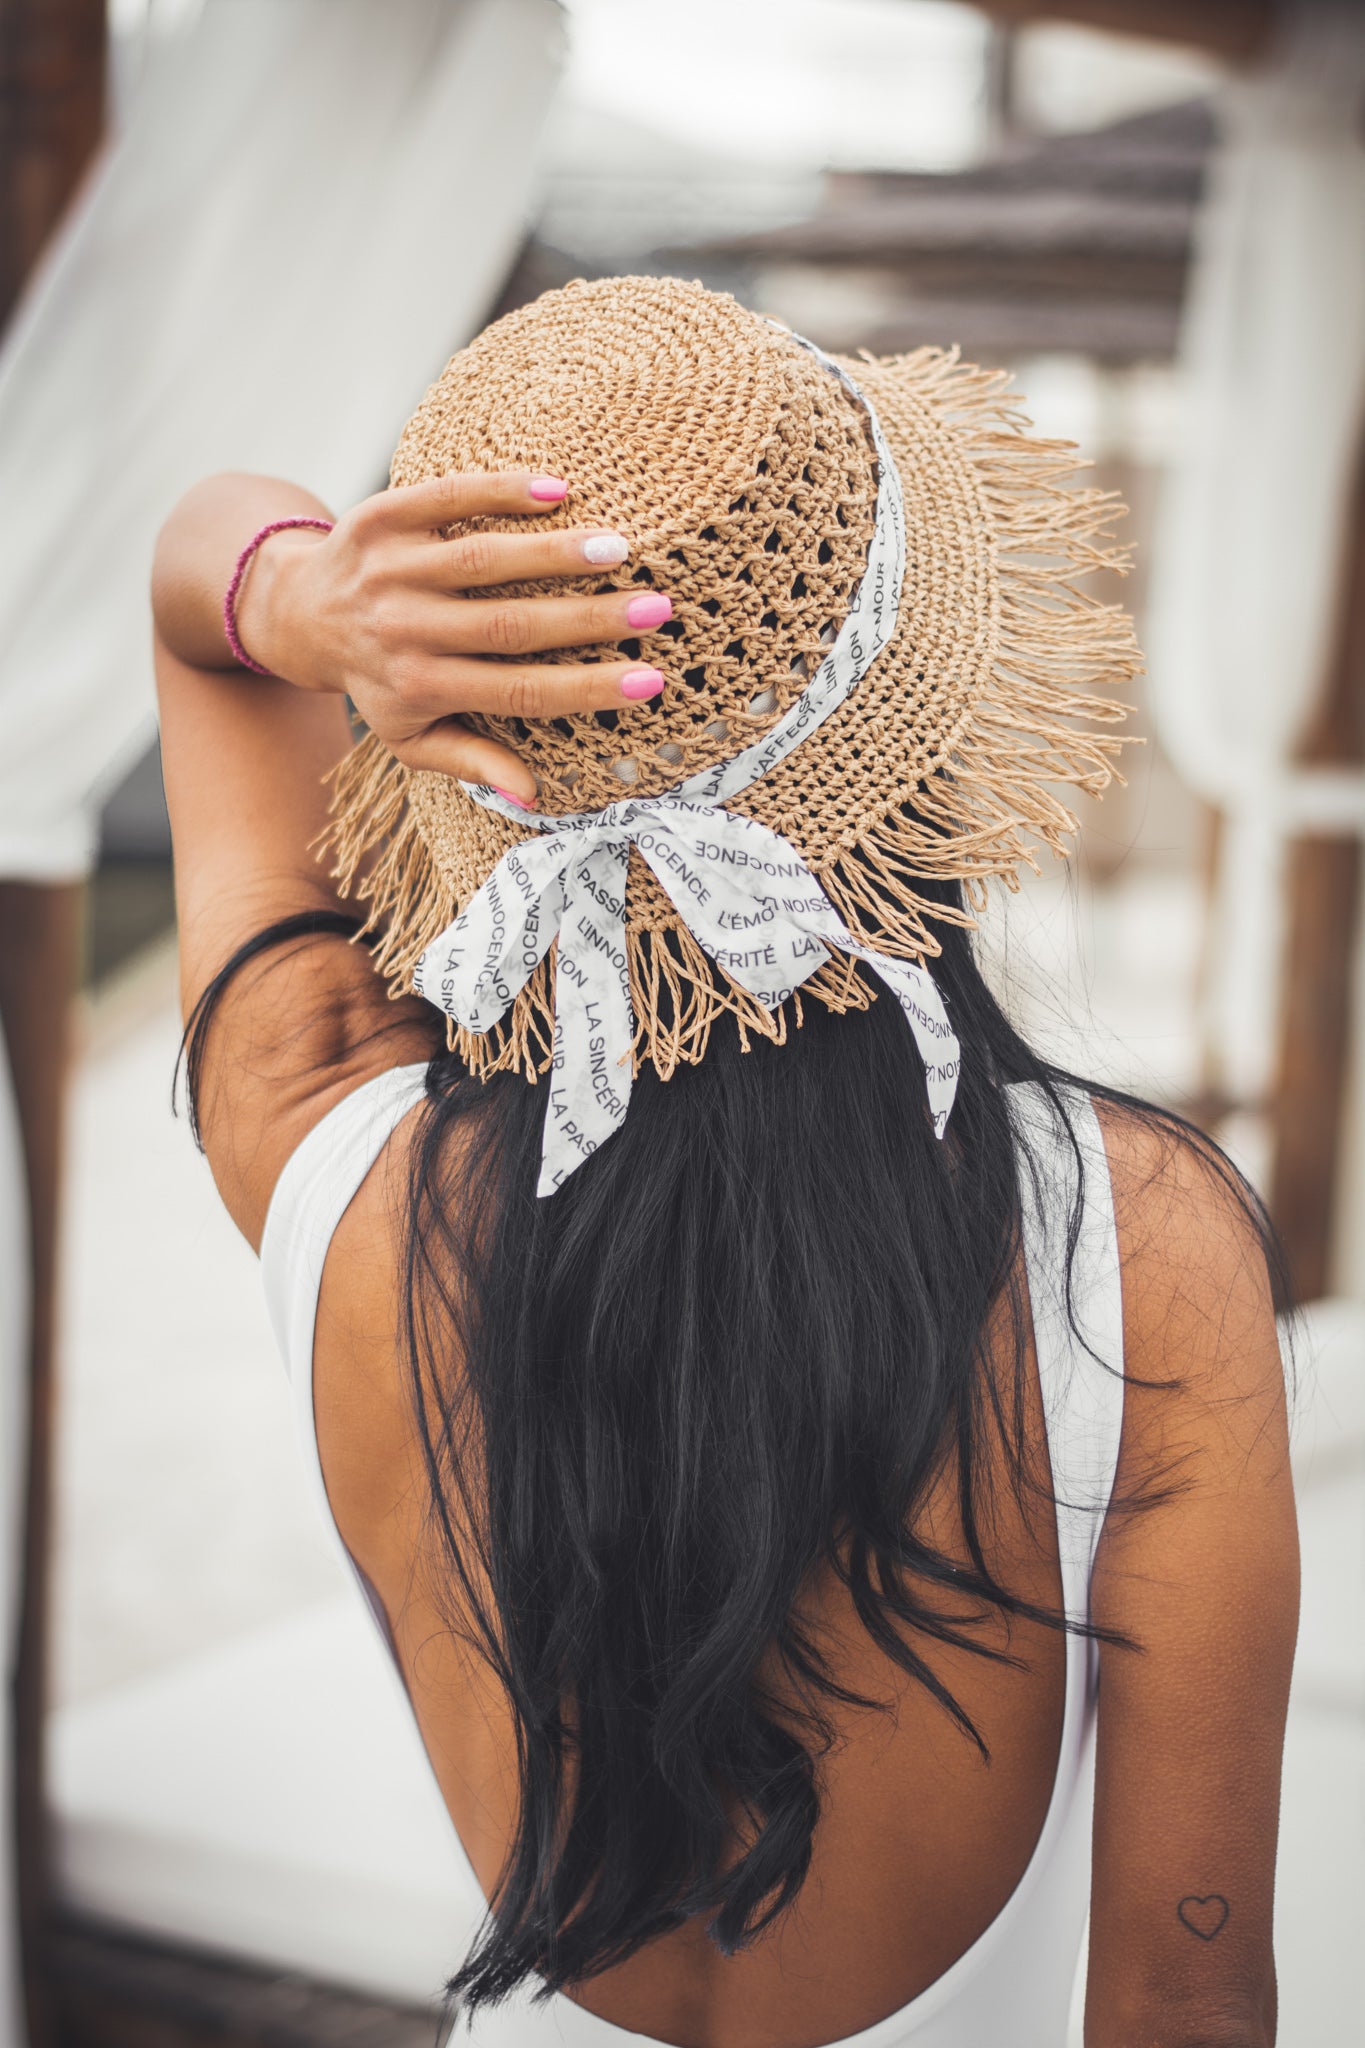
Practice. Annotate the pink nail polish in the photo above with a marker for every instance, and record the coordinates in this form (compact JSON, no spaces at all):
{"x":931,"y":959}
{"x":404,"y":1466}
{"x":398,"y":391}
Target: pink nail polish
{"x":637,"y":683}
{"x":649,"y":609}
{"x":550,"y":489}
{"x":523,"y":803}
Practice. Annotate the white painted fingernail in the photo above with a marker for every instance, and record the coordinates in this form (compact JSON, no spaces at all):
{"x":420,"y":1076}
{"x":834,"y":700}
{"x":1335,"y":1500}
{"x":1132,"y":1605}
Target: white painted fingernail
{"x":605,"y":548}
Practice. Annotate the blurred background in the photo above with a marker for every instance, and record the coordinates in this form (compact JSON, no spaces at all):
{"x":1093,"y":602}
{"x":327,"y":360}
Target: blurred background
{"x":247,"y":233}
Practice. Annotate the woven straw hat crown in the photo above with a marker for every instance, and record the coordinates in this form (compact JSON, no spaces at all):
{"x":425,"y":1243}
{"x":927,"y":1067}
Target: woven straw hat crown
{"x":742,"y":473}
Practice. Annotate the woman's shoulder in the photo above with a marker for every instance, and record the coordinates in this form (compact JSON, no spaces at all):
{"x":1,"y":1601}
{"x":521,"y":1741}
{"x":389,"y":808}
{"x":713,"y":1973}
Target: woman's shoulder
{"x":1177,"y":1192}
{"x":1200,"y":1276}
{"x":300,"y":1028}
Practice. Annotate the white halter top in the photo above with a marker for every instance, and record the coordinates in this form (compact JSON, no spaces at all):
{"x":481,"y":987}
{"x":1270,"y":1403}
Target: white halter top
{"x":1015,"y":1981}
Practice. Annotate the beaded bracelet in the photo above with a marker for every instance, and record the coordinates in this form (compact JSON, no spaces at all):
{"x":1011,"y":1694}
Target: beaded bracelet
{"x":230,"y":632}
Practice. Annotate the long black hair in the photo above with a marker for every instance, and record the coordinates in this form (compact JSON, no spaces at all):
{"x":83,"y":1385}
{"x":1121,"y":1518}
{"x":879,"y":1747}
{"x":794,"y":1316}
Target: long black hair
{"x":738,"y":1346}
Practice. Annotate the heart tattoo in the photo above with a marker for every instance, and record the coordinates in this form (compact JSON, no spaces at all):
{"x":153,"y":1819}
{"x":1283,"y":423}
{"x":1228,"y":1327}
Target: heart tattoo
{"x":1204,"y":1917}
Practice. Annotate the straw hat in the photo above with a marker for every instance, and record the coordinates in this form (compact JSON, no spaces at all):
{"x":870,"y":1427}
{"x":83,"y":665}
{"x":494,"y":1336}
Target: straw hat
{"x":743,"y":474}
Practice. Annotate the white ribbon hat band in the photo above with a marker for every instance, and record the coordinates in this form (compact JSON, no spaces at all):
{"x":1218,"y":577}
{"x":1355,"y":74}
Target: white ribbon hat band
{"x":742,"y":890}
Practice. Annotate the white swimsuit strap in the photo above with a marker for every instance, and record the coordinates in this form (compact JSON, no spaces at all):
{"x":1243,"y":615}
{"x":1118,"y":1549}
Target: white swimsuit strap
{"x":1080,"y":1372}
{"x":319,"y":1182}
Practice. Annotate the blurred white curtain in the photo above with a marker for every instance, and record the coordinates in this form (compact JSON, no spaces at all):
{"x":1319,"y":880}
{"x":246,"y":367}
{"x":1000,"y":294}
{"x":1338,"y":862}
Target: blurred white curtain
{"x":308,"y":204}
{"x":1248,"y":547}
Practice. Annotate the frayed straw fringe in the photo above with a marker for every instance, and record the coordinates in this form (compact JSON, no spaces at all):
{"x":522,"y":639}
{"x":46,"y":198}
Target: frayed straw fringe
{"x":671,"y":978}
{"x":983,"y":802}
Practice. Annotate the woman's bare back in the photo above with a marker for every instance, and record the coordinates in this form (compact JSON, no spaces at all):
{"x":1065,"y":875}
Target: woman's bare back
{"x":921,"y":1840}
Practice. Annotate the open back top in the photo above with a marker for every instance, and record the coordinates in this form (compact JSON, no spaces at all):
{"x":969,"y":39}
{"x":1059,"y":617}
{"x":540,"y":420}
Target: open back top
{"x":1014,"y":1983}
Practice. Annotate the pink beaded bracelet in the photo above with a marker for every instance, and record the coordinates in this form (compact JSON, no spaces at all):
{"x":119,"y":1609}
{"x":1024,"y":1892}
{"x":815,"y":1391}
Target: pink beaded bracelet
{"x":230,"y":632}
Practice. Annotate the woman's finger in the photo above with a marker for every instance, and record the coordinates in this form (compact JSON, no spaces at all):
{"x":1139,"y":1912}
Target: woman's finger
{"x":529,"y":625}
{"x":502,"y":689}
{"x":463,"y":494}
{"x":475,"y":561}
{"x":449,"y":748}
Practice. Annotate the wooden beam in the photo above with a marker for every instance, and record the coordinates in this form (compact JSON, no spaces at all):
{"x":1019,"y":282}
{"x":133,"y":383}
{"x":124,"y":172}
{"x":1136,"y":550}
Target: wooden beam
{"x":1317,"y":1030}
{"x":1106,"y":276}
{"x":1015,"y":224}
{"x":52,"y":81}
{"x":1239,"y":30}
{"x":1160,"y":154}
{"x":1110,"y":330}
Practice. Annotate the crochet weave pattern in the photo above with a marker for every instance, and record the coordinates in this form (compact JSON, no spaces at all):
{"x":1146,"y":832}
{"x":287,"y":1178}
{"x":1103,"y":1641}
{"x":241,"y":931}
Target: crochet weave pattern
{"x":743,"y":475}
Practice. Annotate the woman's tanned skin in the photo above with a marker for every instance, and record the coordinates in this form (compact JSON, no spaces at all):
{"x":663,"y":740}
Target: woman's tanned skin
{"x":376,"y":610}
{"x":921,"y":1843}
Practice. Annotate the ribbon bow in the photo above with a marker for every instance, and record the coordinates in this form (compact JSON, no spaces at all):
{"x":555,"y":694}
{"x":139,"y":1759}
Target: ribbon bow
{"x":743,"y":891}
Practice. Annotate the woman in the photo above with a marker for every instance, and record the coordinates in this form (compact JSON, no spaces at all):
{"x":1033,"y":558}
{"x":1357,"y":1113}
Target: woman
{"x":759,"y":1443}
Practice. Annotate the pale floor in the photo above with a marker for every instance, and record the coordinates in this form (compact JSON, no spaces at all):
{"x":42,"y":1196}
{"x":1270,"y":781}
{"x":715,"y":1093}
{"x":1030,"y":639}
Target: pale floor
{"x":186,"y":1538}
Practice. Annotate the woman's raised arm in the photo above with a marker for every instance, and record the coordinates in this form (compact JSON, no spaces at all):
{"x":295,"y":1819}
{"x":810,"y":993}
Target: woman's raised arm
{"x":375,"y":610}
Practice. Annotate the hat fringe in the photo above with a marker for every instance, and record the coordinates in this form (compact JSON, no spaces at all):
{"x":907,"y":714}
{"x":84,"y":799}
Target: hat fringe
{"x":990,"y":802}
{"x":981,"y":811}
{"x":677,"y":992}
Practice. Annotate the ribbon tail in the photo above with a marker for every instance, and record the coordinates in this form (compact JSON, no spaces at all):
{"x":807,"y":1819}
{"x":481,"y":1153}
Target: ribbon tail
{"x":479,"y":964}
{"x":917,"y":993}
{"x":749,"y":898}
{"x":590,"y":1071}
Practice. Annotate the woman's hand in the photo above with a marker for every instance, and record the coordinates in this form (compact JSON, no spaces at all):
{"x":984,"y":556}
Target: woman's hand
{"x":375,"y":609}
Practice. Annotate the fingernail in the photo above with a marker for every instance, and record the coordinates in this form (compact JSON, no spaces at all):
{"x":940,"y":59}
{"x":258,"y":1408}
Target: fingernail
{"x":549,"y":488}
{"x":605,"y":547}
{"x":641,"y":682}
{"x":523,"y":803}
{"x":649,"y":609}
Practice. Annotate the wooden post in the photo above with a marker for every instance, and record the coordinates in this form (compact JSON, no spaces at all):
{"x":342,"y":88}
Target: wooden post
{"x":52,"y":64}
{"x":1324,"y":906}
{"x":52,"y":77}
{"x":1001,"y":84}
{"x":40,"y":928}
